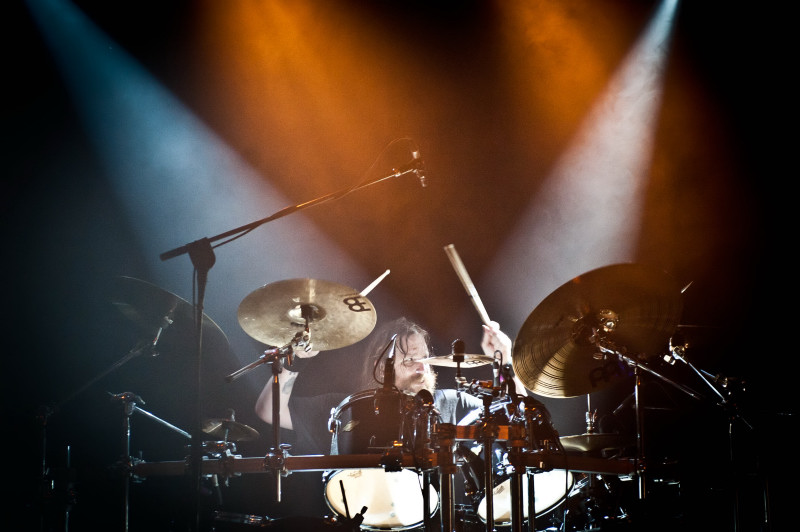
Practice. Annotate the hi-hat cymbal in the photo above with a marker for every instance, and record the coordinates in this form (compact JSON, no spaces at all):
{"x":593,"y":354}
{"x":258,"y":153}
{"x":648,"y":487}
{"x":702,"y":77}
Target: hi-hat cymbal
{"x":163,"y":315}
{"x":632,"y":308}
{"x":225,"y":429}
{"x":337,"y":315}
{"x":468,"y":362}
{"x":590,"y":442}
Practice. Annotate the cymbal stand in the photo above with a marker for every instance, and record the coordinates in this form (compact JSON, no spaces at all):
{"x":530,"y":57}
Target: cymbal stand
{"x":276,"y":456}
{"x":489,"y":433}
{"x":446,"y":438}
{"x":458,"y":348}
{"x":129,"y":402}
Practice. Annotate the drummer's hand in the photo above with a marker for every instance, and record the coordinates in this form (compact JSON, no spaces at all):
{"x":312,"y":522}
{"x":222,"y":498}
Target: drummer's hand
{"x":496,"y":340}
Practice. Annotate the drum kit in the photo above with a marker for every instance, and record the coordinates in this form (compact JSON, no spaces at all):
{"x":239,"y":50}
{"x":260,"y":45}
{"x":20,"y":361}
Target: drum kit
{"x":397,"y":467}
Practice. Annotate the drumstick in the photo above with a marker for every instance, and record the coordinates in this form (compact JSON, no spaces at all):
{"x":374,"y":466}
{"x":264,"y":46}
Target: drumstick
{"x":461,"y":271}
{"x":374,"y":283}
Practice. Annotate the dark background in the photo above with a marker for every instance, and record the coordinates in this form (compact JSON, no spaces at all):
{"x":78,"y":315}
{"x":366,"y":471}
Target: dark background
{"x":724,"y":222}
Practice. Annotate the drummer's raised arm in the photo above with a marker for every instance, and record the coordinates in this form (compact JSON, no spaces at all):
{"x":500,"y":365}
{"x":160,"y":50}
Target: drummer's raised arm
{"x":497,"y":343}
{"x":286,"y":381}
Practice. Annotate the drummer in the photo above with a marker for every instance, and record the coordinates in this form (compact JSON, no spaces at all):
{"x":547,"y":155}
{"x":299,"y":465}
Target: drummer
{"x":308,"y":416}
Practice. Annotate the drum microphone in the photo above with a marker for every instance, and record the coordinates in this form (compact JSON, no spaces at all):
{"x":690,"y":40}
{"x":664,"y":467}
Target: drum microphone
{"x":388,"y":368}
{"x":419,"y":166}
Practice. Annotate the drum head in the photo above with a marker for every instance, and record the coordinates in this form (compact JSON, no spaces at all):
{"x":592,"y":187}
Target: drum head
{"x":393,"y":499}
{"x":550,"y":488}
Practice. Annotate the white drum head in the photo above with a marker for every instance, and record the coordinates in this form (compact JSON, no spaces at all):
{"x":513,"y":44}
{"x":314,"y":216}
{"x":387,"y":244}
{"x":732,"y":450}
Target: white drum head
{"x":550,"y":488}
{"x":393,"y":499}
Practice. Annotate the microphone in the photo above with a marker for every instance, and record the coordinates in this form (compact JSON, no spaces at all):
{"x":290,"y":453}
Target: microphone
{"x":419,"y":166}
{"x":388,"y":368}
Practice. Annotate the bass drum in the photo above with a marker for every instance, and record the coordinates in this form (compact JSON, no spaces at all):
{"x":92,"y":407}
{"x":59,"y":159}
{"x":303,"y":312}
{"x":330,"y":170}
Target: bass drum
{"x":373,"y":421}
{"x":551,"y":488}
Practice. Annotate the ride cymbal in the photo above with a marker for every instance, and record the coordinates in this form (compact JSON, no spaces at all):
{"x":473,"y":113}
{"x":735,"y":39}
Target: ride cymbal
{"x":337,"y":315}
{"x":468,"y":362}
{"x":628,"y":308}
{"x":162,"y":314}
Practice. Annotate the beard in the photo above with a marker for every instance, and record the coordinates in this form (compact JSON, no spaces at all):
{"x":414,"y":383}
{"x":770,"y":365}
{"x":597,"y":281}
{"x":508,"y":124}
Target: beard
{"x":429,"y":382}
{"x":412,"y":385}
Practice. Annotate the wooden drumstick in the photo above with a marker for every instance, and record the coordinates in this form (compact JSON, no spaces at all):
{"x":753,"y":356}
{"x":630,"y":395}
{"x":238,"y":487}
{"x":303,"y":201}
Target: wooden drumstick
{"x":374,"y":283}
{"x":461,"y":271}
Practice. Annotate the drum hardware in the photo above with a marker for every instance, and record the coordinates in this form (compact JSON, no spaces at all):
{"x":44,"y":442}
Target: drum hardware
{"x":446,"y":436}
{"x":158,"y":314}
{"x":677,"y":351}
{"x":274,"y":357}
{"x":395,"y":428}
{"x":126,"y":464}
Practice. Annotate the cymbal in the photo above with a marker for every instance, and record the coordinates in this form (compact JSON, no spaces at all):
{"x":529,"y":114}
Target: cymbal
{"x":337,"y":315}
{"x":630,"y":307}
{"x":468,"y":362}
{"x":589,"y":442}
{"x":158,"y":312}
{"x":225,"y":429}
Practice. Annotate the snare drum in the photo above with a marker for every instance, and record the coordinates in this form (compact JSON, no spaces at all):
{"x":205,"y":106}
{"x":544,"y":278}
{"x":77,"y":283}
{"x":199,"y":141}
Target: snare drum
{"x":373,"y":421}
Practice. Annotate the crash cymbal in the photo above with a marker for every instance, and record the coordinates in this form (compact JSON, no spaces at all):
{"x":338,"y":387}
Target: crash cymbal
{"x":629,"y":307}
{"x":225,"y":429}
{"x":468,"y":362}
{"x":337,"y":315}
{"x":163,"y":315}
{"x":589,"y":442}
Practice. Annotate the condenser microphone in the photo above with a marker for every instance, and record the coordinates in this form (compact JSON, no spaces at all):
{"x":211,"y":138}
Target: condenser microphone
{"x":388,"y":369}
{"x":419,"y":166}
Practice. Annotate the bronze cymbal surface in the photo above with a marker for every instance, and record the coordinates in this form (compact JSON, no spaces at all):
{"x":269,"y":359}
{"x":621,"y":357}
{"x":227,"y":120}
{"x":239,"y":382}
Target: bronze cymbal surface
{"x":225,"y":429}
{"x":631,"y":308}
{"x":337,"y":315}
{"x":590,"y":442}
{"x":153,"y":308}
{"x":468,"y":362}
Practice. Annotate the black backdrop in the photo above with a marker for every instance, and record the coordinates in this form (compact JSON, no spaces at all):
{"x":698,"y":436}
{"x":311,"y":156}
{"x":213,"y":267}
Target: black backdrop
{"x":64,"y":240}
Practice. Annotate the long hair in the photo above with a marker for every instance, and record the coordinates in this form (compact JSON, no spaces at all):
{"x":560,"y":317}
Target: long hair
{"x":376,"y":351}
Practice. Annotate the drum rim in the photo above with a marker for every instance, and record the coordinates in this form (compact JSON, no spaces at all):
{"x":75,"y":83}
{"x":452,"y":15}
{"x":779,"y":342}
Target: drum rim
{"x":365,"y":394}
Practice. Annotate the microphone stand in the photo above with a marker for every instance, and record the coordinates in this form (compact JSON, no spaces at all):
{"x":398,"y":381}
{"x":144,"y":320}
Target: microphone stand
{"x":677,"y":352}
{"x":202,"y":256}
{"x":607,"y":347}
{"x":45,"y":412}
